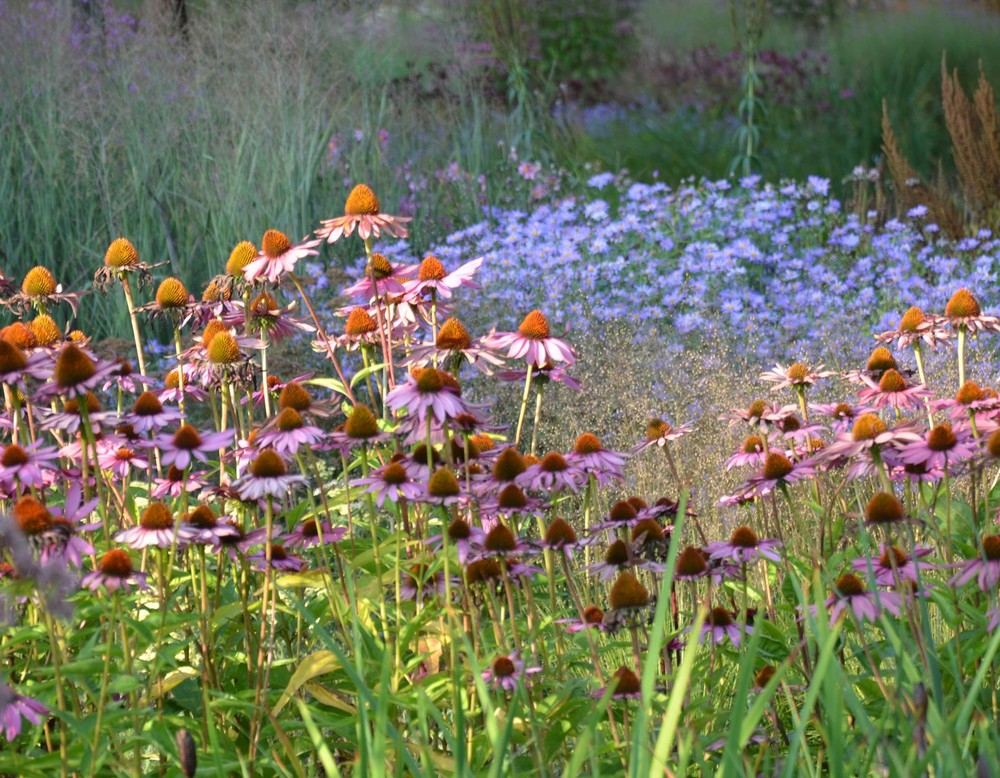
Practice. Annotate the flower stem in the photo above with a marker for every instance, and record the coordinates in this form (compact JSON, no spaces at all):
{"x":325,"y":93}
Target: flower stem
{"x":130,"y":302}
{"x":524,"y":405}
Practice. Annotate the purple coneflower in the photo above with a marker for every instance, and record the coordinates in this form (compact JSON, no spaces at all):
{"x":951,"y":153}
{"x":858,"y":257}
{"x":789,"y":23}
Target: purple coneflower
{"x":120,"y":461}
{"x":533,"y":342}
{"x":963,"y":312}
{"x":16,"y":366}
{"x":590,"y":455}
{"x":460,"y":535}
{"x":239,"y":543}
{"x":778,"y":470}
{"x":625,"y":685}
{"x":277,"y":257}
{"x":428,"y":390}
{"x":659,"y":433}
{"x":155,"y":528}
{"x":418,"y":583}
{"x":506,"y":672}
{"x":149,"y":415}
{"x":942,"y":446}
{"x":985,"y":567}
{"x":759,"y":413}
{"x":593,"y":618}
{"x":432,"y":277}
{"x":187,"y":445}
{"x":288,"y":432}
{"x":744,"y":546}
{"x":752,"y":453}
{"x":280,"y":560}
{"x":798,"y":376}
{"x":892,"y":391}
{"x":27,"y":465}
{"x":362,"y":212}
{"x":202,"y":526}
{"x":389,"y":279}
{"x":553,"y":473}
{"x":391,"y":482}
{"x":268,"y":476}
{"x":893,"y":566}
{"x":274,"y":321}
{"x":311,"y":533}
{"x":841,"y":415}
{"x":69,"y":519}
{"x":175,"y":484}
{"x":14,"y":707}
{"x":915,"y":329}
{"x":719,"y":624}
{"x":114,"y":572}
{"x":849,"y":594}
{"x":452,"y":346}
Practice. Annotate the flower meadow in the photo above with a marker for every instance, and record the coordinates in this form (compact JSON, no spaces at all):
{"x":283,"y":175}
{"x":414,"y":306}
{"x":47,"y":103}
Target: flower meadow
{"x":386,"y":566}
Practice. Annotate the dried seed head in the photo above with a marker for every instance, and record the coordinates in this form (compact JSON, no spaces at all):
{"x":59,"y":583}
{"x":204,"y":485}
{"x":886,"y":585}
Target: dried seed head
{"x":156,"y":516}
{"x":443,"y":483}
{"x":431,"y":269}
{"x":268,"y":464}
{"x":777,"y":466}
{"x":147,"y":404}
{"x":587,"y":443}
{"x":215,"y":292}
{"x":45,"y":330}
{"x":31,"y":516}
{"x":361,"y":202}
{"x":892,"y":381}
{"x":884,"y":508}
{"x":361,"y":424}
{"x":881,"y":359}
{"x":968,"y":393}
{"x":171,"y":293}
{"x":73,"y":367}
{"x":187,"y":438}
{"x":691,"y":562}
{"x":912,"y":319}
{"x":224,"y":350}
{"x":500,"y":539}
{"x":559,"y":534}
{"x":509,"y":465}
{"x":121,"y":254}
{"x":961,"y":305}
{"x":294,"y":396}
{"x":116,"y":563}
{"x":744,"y":537}
{"x":274,"y":244}
{"x":243,"y":254}
{"x":625,"y":682}
{"x":359,"y":323}
{"x":849,"y":585}
{"x":867,"y":426}
{"x":628,"y":592}
{"x":453,"y":336}
{"x":534,"y":326}
{"x":39,"y":282}
{"x":941,"y":438}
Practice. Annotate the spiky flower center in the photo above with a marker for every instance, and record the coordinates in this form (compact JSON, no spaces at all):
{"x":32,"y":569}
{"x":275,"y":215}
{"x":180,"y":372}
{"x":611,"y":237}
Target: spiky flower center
{"x":430,"y":380}
{"x":843,"y":411}
{"x":691,"y":562}
{"x":361,"y":423}
{"x":868,"y":426}
{"x":73,"y":367}
{"x":187,"y":438}
{"x":797,"y":373}
{"x":625,"y":682}
{"x":881,"y":359}
{"x":39,"y":282}
{"x":120,"y":254}
{"x":777,"y":466}
{"x":500,"y":539}
{"x":744,"y":537}
{"x":483,"y":442}
{"x":534,"y":326}
{"x":483,"y":570}
{"x":31,"y":516}
{"x":278,"y":553}
{"x":648,"y":530}
{"x":593,"y":615}
{"x":224,"y":350}
{"x":147,"y":404}
{"x":243,"y":254}
{"x":621,"y":511}
{"x":443,"y":483}
{"x":849,"y":585}
{"x":171,"y":294}
{"x":12,"y":358}
{"x":361,"y":202}
{"x":961,"y":305}
{"x":559,"y":534}
{"x":215,"y":292}
{"x":453,"y":336}
{"x":756,"y":409}
{"x":941,"y":438}
{"x":719,"y":617}
{"x":968,"y":393}
{"x":617,"y":554}
{"x":289,"y":419}
{"x":18,"y":334}
{"x":503,"y":667}
{"x":753,"y":445}
{"x":893,"y":556}
{"x":359,"y":323}
{"x":202,"y":517}
{"x":90,"y":403}
{"x":553,"y":462}
{"x":212,"y":329}
{"x":991,"y":547}
{"x":628,"y":592}
{"x":274,"y":244}
{"x":124,"y":454}
{"x":431,"y":269}
{"x":294,"y":396}
{"x":394,"y":474}
{"x":912,"y":319}
{"x":116,"y":563}
{"x":156,"y":516}
{"x":764,"y":676}
{"x":309,"y":528}
{"x":509,"y":465}
{"x":656,"y":429}
{"x":587,"y":443}
{"x":884,"y":508}
{"x":13,"y":455}
{"x":892,"y":381}
{"x":263,"y":303}
{"x":45,"y":330}
{"x":459,"y":530}
{"x":512,"y":498}
{"x":268,"y":464}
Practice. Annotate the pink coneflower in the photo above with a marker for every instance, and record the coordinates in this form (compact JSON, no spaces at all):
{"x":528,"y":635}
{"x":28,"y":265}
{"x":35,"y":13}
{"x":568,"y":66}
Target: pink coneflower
{"x":70,"y":419}
{"x":616,"y":559}
{"x":798,"y":376}
{"x":125,"y":379}
{"x":621,"y":515}
{"x":879,"y":362}
{"x":720,"y":624}
{"x":429,"y":390}
{"x":630,"y":602}
{"x":849,"y":594}
{"x":985,"y":568}
{"x":759,"y":414}
{"x":867,"y":432}
{"x":893,"y":391}
{"x":542,"y":375}
{"x":692,"y":564}
{"x":970,"y":400}
{"x":70,"y":518}
{"x":171,"y":391}
{"x":452,"y":346}
{"x":841,"y":415}
{"x":942,"y":446}
{"x":916,"y":328}
{"x":751,"y":453}
{"x":744,"y":546}
{"x":659,"y":433}
{"x":590,"y":455}
{"x":593,"y":618}
{"x":893,"y":566}
{"x":360,"y":330}
{"x":288,"y":433}
{"x":114,"y":572}
{"x":14,"y":707}
{"x":280,"y":560}
{"x":120,"y":461}
{"x":362,"y":212}
{"x":560,"y":537}
{"x":778,"y":470}
{"x":501,"y":543}
{"x":533,"y":342}
{"x":553,"y":473}
{"x":963,"y":312}
{"x":507,"y":672}
{"x":463,"y":537}
{"x":792,"y":428}
{"x":624,"y":685}
{"x":187,"y":445}
{"x":239,"y":543}
{"x":155,"y":528}
{"x":267,"y":318}
{"x":16,"y":366}
{"x":311,"y":533}
{"x":390,"y":278}
{"x":75,"y":373}
{"x":201,"y":526}
{"x":174,"y":484}
{"x":391,"y":482}
{"x":418,"y":583}
{"x":27,"y":465}
{"x":432,"y":277}
{"x":277,"y":257}
{"x":268,"y":476}
{"x":149,"y":415}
